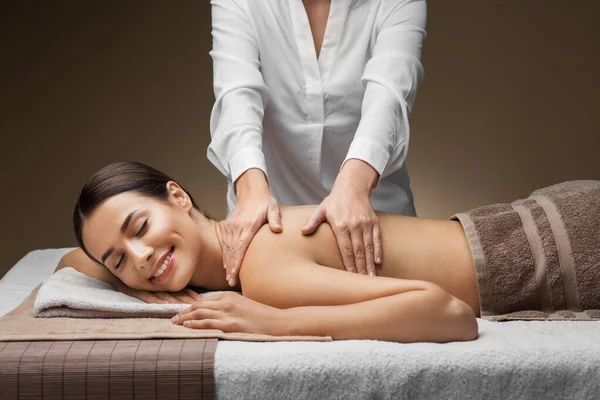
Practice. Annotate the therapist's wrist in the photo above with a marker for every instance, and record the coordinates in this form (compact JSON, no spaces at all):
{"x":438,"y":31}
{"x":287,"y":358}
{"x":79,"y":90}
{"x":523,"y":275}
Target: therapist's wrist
{"x":252,"y":181}
{"x":358,"y":175}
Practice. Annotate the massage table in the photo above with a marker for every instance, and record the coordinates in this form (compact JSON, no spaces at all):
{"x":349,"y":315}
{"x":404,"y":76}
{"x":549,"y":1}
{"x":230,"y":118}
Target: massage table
{"x":509,"y":360}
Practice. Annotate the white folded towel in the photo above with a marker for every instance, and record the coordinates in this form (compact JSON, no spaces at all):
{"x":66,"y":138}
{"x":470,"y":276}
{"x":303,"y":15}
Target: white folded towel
{"x":69,"y":293}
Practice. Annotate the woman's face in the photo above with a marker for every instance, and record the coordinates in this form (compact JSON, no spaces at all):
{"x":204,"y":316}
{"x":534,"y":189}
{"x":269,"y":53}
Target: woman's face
{"x":138,"y":237}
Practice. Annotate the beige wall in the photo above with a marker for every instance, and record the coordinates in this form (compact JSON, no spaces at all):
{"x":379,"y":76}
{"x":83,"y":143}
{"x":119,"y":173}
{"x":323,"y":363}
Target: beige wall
{"x":509,"y":104}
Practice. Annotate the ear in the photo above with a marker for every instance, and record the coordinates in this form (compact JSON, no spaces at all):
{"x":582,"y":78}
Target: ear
{"x":178,"y":196}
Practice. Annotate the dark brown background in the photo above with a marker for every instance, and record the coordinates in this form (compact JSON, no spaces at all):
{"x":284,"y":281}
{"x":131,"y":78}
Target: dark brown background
{"x":509,"y":104}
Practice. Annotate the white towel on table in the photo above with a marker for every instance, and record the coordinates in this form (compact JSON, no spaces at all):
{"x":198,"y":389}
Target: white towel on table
{"x":69,"y":293}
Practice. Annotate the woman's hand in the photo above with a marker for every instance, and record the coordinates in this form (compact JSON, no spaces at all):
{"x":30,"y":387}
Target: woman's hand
{"x":231,"y":312}
{"x":355,"y":225}
{"x":186,"y":296}
{"x":255,"y":206}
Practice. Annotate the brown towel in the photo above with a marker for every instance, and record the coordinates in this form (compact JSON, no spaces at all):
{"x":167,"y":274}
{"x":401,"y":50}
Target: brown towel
{"x":539,"y":258}
{"x":21,"y":325}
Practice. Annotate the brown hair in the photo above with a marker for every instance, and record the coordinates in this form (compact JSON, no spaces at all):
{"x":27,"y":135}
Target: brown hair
{"x":116,"y":178}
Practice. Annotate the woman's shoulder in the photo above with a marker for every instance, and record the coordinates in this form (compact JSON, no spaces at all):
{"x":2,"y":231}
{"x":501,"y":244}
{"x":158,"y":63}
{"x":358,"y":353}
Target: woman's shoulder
{"x":293,"y":219}
{"x":290,"y":243}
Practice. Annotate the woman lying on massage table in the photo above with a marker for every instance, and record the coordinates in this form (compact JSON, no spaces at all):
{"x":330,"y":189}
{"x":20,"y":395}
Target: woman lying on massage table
{"x":142,"y":232}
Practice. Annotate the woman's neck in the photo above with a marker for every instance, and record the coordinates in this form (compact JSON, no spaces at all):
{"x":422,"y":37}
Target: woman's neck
{"x":209,"y":273}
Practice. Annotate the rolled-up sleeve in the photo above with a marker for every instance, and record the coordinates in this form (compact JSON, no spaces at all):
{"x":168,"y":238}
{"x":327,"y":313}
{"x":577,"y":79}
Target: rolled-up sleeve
{"x":391,"y":78}
{"x":240,"y":92}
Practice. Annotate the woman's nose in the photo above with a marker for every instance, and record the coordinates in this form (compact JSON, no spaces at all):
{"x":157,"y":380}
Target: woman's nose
{"x":141,"y":256}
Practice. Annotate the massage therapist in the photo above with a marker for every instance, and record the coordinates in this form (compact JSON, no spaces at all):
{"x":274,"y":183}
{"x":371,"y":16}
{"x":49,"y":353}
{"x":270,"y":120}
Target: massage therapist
{"x":312,"y":105}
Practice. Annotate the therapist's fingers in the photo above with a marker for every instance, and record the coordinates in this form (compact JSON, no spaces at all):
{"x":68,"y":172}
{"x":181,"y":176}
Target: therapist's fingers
{"x":240,"y":240}
{"x":377,"y":243}
{"x":369,"y":248}
{"x":248,"y":216}
{"x":314,"y":221}
{"x":232,"y":230}
{"x":231,"y":241}
{"x":358,"y":246}
{"x":342,"y":235}
{"x":243,"y":242}
{"x":274,"y":218}
{"x":226,"y":247}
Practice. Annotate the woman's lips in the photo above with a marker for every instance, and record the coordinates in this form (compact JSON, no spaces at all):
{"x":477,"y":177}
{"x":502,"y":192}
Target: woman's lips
{"x":167,"y":271}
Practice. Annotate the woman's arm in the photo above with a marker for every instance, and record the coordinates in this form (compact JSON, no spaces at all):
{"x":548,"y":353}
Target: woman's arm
{"x":425,"y":315}
{"x":78,"y":260}
{"x":317,"y":300}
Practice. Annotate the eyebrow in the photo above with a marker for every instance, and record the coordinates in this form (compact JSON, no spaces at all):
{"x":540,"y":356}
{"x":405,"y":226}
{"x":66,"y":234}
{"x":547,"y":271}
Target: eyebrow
{"x":123,"y":230}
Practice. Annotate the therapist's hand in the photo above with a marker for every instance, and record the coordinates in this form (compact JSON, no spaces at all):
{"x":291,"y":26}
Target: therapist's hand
{"x":349,"y":211}
{"x":255,"y":207}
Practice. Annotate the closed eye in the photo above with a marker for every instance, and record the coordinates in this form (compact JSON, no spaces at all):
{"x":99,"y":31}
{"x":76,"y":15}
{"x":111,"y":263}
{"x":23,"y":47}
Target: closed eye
{"x":142,"y":228}
{"x":120,"y":260}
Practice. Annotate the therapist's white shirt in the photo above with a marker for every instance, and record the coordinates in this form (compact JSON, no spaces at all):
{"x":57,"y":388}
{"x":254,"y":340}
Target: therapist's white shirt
{"x":298,"y":118}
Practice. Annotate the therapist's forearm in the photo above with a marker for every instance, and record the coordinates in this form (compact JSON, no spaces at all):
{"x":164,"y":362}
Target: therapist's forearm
{"x":415,"y":316}
{"x":357,"y":174}
{"x":251,"y":181}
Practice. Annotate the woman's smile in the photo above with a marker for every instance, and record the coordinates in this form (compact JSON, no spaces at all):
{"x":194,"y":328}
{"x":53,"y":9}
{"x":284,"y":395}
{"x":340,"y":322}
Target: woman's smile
{"x":164,"y":267}
{"x":166,"y":245}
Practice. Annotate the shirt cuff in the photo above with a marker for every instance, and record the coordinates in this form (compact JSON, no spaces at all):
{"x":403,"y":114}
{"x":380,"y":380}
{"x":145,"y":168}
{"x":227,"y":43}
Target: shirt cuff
{"x":246,"y":158}
{"x":369,"y":151}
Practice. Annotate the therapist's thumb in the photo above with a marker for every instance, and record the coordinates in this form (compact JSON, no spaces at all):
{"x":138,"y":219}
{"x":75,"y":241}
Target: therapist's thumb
{"x":314,"y":221}
{"x":274,"y":218}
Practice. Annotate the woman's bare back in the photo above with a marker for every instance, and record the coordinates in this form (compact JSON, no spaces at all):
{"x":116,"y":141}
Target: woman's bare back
{"x":413,"y":248}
